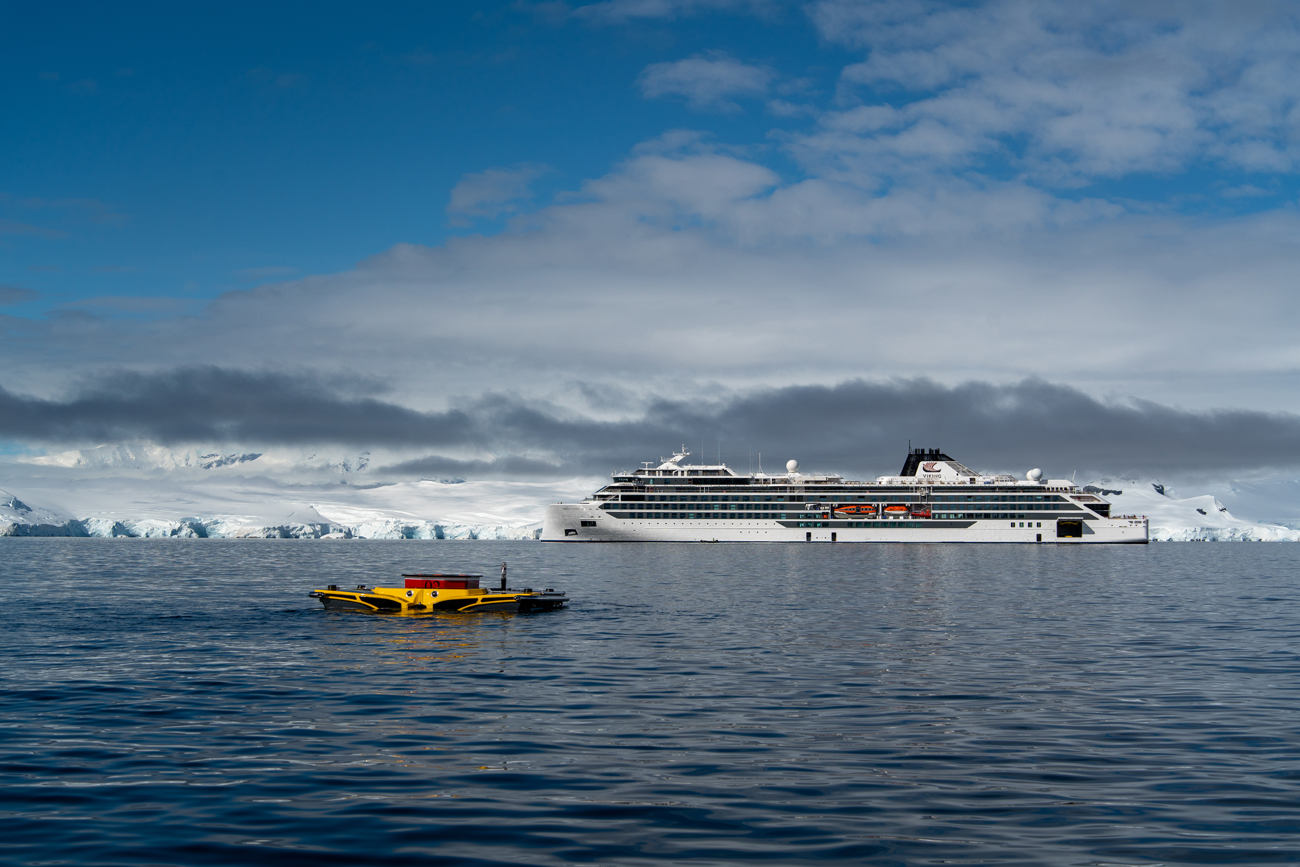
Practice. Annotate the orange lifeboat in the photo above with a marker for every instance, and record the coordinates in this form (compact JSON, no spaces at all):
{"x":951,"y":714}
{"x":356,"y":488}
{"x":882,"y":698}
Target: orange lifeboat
{"x":897,"y":511}
{"x":920,"y":513}
{"x":857,"y":509}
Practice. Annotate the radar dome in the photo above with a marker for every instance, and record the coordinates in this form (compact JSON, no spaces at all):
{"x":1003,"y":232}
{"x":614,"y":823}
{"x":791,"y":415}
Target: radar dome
{"x":792,"y":466}
{"x":1034,"y":475}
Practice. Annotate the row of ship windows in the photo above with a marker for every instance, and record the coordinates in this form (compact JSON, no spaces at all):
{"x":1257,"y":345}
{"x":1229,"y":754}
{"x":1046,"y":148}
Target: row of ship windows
{"x":834,"y":493}
{"x":871,"y":498}
{"x":794,"y":516}
{"x":779,"y":507}
{"x":893,"y":525}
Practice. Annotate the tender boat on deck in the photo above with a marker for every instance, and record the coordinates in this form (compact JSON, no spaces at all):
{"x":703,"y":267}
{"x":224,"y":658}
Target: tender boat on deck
{"x":426,"y":593}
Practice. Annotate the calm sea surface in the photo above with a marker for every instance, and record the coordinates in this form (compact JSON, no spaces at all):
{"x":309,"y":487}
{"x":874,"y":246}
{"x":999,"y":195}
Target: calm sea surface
{"x":185,"y":703}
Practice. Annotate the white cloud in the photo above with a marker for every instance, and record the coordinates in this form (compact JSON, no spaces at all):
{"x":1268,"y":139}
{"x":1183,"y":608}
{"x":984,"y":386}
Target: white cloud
{"x":706,"y":83}
{"x":926,"y":235}
{"x":691,"y":271}
{"x":623,"y":11}
{"x":492,"y":192}
{"x":1068,"y":92}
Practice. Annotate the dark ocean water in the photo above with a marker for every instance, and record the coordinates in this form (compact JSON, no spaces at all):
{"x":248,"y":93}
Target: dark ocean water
{"x":185,"y":703}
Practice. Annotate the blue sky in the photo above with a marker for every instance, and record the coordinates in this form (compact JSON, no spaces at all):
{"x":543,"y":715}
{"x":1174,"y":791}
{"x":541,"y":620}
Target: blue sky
{"x":594,"y":206}
{"x":180,"y":151}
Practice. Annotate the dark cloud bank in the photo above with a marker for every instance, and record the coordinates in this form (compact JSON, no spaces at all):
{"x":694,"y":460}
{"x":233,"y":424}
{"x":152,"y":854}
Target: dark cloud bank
{"x":856,"y":427}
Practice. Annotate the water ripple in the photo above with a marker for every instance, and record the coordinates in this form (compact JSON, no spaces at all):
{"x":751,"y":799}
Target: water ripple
{"x":183,"y":702}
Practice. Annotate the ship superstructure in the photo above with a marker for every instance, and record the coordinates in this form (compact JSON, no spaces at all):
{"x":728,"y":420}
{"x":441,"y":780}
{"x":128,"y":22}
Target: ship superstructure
{"x":933,"y":499}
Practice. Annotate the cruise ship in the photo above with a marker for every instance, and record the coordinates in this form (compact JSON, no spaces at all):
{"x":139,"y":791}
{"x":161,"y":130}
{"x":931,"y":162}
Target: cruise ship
{"x":933,"y":499}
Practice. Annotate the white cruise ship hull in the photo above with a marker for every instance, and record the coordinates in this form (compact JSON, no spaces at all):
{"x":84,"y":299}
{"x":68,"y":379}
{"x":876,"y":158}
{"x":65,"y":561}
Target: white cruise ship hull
{"x":933,"y":499}
{"x":584,"y":522}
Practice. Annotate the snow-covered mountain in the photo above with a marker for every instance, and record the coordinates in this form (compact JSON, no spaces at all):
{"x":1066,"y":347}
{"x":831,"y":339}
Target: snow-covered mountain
{"x":143,"y":489}
{"x":19,"y":519}
{"x":1180,"y":519}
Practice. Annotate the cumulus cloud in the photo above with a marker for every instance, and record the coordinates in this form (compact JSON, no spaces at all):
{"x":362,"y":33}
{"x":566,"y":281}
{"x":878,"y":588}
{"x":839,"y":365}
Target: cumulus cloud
{"x":857,"y":425}
{"x":705,"y":82}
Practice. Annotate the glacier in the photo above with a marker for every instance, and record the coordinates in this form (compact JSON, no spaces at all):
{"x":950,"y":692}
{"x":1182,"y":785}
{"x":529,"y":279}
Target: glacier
{"x":267,"y":518}
{"x":143,"y":490}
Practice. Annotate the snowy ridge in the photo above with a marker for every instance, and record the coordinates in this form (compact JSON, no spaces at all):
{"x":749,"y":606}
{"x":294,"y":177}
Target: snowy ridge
{"x":239,"y":508}
{"x":19,"y":519}
{"x":145,"y":457}
{"x":141,"y":456}
{"x":1187,"y":519}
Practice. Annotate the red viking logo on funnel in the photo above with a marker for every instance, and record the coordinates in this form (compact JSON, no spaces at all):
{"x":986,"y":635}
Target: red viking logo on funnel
{"x":930,"y":467}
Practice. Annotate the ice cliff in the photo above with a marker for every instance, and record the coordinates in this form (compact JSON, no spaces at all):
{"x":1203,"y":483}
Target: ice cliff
{"x":19,"y":519}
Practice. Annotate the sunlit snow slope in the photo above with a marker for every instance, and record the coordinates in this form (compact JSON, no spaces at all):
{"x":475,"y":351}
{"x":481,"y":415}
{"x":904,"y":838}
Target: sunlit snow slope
{"x":151,"y":491}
